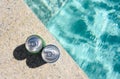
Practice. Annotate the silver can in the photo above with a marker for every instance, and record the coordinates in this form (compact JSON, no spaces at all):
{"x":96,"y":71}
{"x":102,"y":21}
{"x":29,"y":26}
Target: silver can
{"x":34,"y":44}
{"x":50,"y":53}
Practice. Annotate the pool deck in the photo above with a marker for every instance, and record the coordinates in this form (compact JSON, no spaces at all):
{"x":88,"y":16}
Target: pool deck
{"x":17,"y":22}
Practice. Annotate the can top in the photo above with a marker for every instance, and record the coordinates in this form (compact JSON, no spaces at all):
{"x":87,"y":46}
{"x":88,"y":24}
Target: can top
{"x":34,"y":44}
{"x":50,"y":53}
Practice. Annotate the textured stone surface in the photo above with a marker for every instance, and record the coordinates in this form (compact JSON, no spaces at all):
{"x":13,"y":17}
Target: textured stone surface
{"x":17,"y":22}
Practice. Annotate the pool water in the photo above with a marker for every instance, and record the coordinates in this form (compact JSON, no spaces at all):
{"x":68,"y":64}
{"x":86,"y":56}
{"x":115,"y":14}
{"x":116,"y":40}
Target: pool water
{"x":88,"y":29}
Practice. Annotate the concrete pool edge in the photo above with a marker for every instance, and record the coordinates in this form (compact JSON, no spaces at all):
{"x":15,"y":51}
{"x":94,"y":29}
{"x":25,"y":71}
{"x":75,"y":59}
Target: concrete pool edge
{"x":20,"y":22}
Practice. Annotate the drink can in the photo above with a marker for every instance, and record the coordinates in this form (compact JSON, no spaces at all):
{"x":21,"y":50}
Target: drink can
{"x":50,"y":53}
{"x":34,"y":44}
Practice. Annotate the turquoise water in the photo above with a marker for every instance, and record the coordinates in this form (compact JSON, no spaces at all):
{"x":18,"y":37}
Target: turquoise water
{"x":88,"y":29}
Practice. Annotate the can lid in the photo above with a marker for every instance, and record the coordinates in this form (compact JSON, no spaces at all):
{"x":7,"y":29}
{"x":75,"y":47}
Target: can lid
{"x":50,"y":53}
{"x":34,"y":43}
